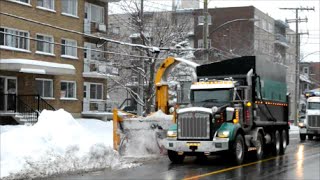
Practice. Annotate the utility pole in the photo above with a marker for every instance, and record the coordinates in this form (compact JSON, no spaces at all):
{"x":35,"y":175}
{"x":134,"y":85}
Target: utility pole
{"x":297,"y":20}
{"x":205,"y":30}
{"x":141,"y":79}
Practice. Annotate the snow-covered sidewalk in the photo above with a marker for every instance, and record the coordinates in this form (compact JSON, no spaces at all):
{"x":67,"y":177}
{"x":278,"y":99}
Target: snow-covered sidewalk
{"x":57,"y":144}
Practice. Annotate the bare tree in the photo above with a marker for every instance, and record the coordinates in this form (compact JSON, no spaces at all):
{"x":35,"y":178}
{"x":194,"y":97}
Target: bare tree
{"x":153,"y":29}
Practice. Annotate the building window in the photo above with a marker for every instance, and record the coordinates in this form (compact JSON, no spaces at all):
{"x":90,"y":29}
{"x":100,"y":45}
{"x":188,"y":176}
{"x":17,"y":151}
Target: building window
{"x":264,"y":24}
{"x":68,"y":89}
{"x":70,"y":7}
{"x":45,"y":87}
{"x":14,"y":38}
{"x":96,"y":91}
{"x":48,"y":4}
{"x":68,"y":47}
{"x":45,"y":43}
{"x":94,"y":13}
{"x":22,"y":1}
{"x":201,"y":20}
{"x":256,"y":23}
{"x":201,"y":45}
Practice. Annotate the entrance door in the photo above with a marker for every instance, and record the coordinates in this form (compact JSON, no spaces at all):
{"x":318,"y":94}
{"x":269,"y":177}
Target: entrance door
{"x":86,"y":102}
{"x":8,"y":90}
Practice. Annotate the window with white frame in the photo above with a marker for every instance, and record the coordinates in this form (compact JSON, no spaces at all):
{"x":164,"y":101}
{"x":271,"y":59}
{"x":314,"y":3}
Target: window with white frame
{"x":96,"y":91}
{"x":256,"y":23}
{"x":201,"y":20}
{"x":14,"y":38}
{"x":45,"y":43}
{"x":94,"y":13}
{"x":201,"y":44}
{"x":306,"y":70}
{"x":264,"y":24}
{"x":70,"y":7}
{"x":23,"y":1}
{"x":47,"y":4}
{"x":68,"y":89}
{"x":68,"y":47}
{"x":44,"y":87}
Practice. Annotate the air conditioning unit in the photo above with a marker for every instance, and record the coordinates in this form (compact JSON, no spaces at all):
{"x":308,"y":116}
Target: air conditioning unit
{"x":102,"y":27}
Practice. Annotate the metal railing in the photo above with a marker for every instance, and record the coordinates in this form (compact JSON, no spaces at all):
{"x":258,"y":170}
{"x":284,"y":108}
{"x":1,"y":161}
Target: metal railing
{"x":26,"y":107}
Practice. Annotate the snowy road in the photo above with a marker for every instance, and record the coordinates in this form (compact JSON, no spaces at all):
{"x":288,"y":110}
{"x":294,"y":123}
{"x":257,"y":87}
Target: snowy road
{"x":301,"y":161}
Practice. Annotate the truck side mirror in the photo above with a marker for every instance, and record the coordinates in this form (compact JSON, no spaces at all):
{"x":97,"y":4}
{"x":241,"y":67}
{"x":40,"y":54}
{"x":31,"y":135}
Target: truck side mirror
{"x":229,"y":113}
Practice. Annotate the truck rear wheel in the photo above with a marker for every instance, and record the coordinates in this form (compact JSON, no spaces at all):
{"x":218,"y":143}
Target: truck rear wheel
{"x":310,"y":136}
{"x":259,"y":146}
{"x":238,"y":149}
{"x":276,"y":143}
{"x":284,"y":141}
{"x":302,"y":137}
{"x":175,"y":157}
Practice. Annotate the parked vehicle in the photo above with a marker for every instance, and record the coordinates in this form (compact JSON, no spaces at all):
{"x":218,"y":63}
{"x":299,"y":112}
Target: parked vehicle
{"x":310,"y":124}
{"x":237,"y":105}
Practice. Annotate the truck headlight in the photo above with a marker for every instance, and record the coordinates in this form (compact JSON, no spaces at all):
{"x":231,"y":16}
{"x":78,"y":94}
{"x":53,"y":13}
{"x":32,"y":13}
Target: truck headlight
{"x":301,"y":124}
{"x":172,"y":134}
{"x":223,"y":134}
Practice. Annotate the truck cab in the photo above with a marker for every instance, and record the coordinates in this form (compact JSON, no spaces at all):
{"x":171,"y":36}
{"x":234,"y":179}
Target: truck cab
{"x":310,"y":124}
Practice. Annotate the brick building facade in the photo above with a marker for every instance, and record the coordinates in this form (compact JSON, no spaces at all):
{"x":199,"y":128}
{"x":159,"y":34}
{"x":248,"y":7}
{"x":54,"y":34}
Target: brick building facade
{"x":38,"y":59}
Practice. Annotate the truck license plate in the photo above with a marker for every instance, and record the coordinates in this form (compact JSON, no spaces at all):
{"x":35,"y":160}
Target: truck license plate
{"x":193,"y":144}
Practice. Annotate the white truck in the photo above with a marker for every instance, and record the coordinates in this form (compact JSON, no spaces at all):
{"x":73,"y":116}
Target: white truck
{"x":310,"y":124}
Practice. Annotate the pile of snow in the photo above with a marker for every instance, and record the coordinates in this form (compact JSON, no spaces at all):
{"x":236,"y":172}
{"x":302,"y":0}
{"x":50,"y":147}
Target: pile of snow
{"x":294,"y":129}
{"x":143,"y":136}
{"x":57,"y":144}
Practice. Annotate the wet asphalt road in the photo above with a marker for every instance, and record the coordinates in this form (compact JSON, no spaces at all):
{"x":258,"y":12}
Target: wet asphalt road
{"x":301,"y":161}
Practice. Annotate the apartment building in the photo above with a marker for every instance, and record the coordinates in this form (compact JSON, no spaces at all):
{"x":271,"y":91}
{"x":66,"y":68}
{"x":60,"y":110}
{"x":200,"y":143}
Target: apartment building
{"x":41,"y":52}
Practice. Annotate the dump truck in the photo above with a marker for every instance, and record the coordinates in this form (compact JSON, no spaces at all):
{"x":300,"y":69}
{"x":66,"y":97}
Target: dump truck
{"x":236,"y":106}
{"x":310,"y":122}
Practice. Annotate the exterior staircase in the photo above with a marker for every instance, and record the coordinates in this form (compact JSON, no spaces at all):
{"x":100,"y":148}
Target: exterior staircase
{"x":27,"y":108}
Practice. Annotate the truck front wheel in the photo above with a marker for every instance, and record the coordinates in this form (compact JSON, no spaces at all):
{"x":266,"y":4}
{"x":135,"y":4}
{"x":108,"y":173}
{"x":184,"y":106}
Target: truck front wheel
{"x":302,"y":137}
{"x":175,"y":157}
{"x":238,"y":149}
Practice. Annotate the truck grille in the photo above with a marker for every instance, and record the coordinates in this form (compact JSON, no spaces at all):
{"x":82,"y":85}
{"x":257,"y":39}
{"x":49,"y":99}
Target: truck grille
{"x":194,"y":125}
{"x":314,"y":121}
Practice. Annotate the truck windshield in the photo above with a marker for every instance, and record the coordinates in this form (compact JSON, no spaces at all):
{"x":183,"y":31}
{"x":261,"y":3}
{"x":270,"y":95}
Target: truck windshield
{"x":314,"y":105}
{"x":209,"y":97}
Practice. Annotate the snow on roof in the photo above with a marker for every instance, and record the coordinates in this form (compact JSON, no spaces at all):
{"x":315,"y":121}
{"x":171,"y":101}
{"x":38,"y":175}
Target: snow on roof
{"x":35,"y":62}
{"x":193,"y":64}
{"x":305,"y":78}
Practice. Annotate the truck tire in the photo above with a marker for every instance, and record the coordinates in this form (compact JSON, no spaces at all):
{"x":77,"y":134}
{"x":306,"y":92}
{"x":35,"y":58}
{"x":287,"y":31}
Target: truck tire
{"x":175,"y":158}
{"x":302,"y":137}
{"x":260,"y":147}
{"x":284,"y":141}
{"x":310,"y":136}
{"x":238,"y":149}
{"x":276,"y":143}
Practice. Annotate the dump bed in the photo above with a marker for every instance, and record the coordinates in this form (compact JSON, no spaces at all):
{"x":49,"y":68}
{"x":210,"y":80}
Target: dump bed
{"x":272,"y":75}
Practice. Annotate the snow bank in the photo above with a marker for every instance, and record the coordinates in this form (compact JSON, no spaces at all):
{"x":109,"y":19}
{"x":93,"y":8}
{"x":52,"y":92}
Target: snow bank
{"x":294,"y":129}
{"x":56,"y":144}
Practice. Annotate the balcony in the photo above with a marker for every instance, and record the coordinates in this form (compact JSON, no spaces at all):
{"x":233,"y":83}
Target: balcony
{"x":281,"y":40}
{"x":109,"y":1}
{"x":99,"y":69}
{"x":93,"y":28}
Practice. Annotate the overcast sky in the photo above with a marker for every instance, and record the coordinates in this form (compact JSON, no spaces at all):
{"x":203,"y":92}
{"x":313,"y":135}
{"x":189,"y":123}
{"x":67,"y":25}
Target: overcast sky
{"x":310,"y":44}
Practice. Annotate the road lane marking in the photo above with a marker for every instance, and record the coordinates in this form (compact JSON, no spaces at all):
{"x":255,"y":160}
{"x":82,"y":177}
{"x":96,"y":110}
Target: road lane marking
{"x":240,"y":166}
{"x":231,"y":168}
